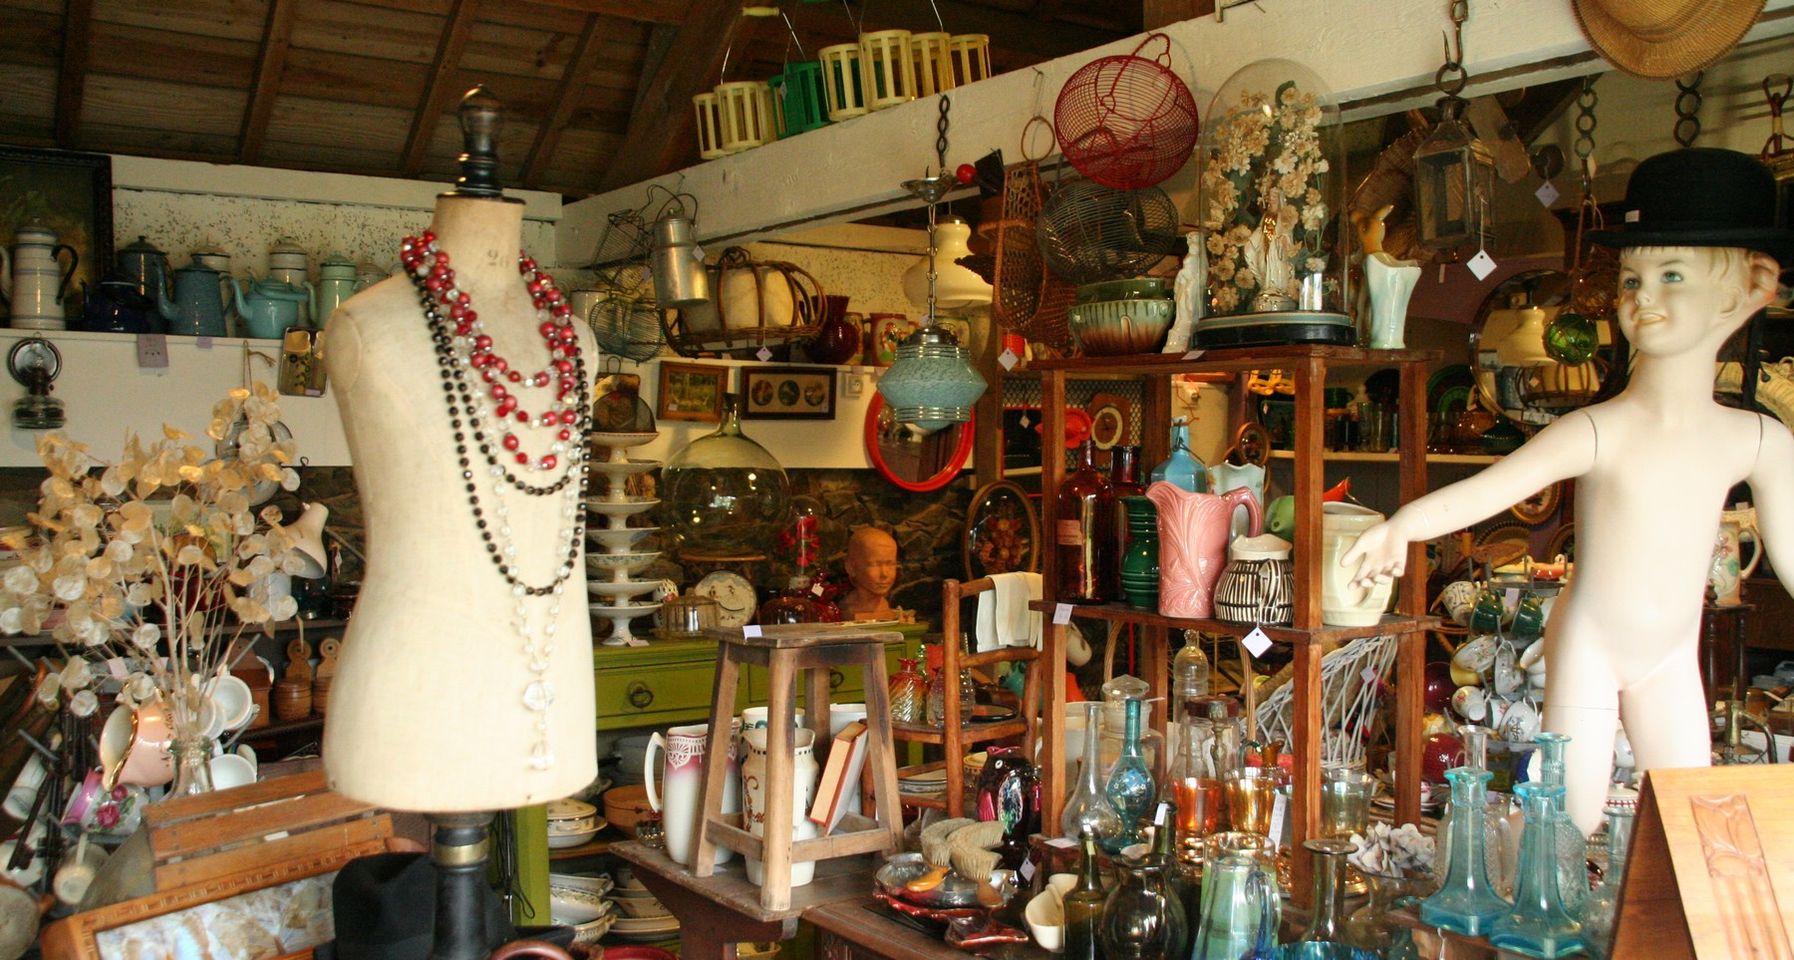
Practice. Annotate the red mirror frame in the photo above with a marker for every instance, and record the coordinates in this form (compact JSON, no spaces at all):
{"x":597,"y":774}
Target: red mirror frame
{"x":956,"y":463}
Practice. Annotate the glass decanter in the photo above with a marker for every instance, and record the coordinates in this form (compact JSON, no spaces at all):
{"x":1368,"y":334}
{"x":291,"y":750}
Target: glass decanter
{"x":1085,"y":538}
{"x":1182,"y":883}
{"x":1130,"y":786}
{"x":723,"y":494}
{"x":1476,"y":753}
{"x":1603,"y":903}
{"x":1141,"y":920}
{"x":1369,"y":926}
{"x":908,"y":692}
{"x":1540,"y":923}
{"x":1084,"y":906}
{"x":1088,"y":811}
{"x":1465,"y":903}
{"x":1572,"y":848}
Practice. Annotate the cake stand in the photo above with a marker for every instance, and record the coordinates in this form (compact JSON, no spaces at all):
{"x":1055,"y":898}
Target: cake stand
{"x":612,"y":567}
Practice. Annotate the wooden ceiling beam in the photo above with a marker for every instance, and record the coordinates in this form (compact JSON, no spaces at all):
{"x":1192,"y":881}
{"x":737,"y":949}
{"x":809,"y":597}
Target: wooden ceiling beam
{"x":277,"y":36}
{"x":580,"y":64}
{"x":659,"y":133}
{"x":437,"y":91}
{"x":645,"y":11}
{"x":71,"y":80}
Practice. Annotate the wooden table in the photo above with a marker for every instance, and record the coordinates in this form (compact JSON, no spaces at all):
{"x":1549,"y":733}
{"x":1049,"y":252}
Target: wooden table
{"x":858,"y":929}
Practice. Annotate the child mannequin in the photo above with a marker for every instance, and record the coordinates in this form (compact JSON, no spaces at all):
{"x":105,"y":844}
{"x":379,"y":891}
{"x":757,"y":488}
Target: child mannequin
{"x":1699,"y":256}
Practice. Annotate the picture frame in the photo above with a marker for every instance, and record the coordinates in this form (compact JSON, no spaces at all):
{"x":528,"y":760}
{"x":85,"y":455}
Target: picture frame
{"x":788,"y":393}
{"x":71,"y":192}
{"x":691,"y":392}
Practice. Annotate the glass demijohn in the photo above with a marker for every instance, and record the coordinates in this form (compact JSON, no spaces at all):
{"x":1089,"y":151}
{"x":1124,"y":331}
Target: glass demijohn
{"x":724,"y":494}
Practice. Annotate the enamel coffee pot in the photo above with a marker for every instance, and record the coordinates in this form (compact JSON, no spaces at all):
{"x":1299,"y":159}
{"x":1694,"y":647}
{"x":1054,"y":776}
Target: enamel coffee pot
{"x":287,"y":264}
{"x":32,"y":280}
{"x":269,"y":308}
{"x":337,"y":281}
{"x":148,"y":269}
{"x":197,"y":307}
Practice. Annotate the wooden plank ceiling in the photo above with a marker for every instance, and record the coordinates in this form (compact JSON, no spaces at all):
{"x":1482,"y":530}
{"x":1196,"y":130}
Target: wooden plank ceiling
{"x":597,"y":91}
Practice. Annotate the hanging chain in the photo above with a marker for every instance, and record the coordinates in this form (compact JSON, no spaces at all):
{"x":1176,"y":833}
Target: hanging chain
{"x":1585,"y":133}
{"x":940,"y":140}
{"x":1688,"y":110}
{"x":1776,"y":98}
{"x":1454,"y":58}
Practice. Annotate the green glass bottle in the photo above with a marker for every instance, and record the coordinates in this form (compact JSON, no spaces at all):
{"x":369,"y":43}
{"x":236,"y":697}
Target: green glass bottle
{"x":1084,"y":907}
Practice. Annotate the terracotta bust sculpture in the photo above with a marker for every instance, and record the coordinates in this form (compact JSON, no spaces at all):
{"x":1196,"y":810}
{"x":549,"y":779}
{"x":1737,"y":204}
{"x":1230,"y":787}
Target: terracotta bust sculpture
{"x":872,"y":569}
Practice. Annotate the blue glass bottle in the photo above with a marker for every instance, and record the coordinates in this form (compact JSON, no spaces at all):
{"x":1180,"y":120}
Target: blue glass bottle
{"x":1130,"y":787}
{"x":1182,"y":468}
{"x":1539,"y":925}
{"x":1603,"y":904}
{"x":1465,"y":903}
{"x":1572,"y":849}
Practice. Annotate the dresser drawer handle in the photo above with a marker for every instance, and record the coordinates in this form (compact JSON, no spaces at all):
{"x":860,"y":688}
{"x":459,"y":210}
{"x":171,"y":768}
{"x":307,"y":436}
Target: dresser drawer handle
{"x":836,"y":678}
{"x":640,"y":696}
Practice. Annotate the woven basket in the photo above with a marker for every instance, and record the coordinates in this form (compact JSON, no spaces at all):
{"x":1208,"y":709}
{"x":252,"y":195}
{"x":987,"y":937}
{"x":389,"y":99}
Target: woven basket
{"x":1024,"y":296}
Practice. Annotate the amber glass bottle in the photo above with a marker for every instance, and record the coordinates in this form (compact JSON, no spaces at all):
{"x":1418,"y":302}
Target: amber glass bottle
{"x":1085,"y":538}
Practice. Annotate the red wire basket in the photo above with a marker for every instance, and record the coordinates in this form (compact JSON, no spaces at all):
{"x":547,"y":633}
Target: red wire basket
{"x":1127,"y":121}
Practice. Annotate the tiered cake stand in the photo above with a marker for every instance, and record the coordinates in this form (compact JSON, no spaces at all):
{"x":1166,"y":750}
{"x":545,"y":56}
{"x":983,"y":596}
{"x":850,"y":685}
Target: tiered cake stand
{"x":615,"y":559}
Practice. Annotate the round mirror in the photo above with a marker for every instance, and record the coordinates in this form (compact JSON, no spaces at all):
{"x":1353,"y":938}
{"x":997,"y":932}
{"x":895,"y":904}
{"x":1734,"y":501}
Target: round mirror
{"x":1515,"y":376}
{"x":910,"y":458}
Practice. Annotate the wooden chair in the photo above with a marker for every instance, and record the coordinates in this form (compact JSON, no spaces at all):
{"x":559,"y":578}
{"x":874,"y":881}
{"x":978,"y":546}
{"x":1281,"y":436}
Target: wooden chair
{"x":956,"y":736}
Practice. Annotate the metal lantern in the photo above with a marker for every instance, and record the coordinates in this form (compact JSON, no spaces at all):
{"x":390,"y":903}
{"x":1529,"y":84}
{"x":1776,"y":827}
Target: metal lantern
{"x":1453,"y":178}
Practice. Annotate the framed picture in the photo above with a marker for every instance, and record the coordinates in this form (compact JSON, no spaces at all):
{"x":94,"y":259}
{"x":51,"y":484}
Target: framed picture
{"x":691,"y":391}
{"x":788,"y":393}
{"x":71,"y":194}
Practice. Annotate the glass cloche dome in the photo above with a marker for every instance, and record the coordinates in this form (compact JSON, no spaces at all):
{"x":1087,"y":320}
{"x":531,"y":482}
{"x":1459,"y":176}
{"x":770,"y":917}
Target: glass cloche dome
{"x":1269,"y":195}
{"x":723,"y":495}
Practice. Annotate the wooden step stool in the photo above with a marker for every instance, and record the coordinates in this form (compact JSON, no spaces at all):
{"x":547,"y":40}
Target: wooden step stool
{"x":786,"y":651}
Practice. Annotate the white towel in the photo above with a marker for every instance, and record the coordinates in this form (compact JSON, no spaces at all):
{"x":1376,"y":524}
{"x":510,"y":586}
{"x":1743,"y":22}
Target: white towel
{"x":1003,"y":617}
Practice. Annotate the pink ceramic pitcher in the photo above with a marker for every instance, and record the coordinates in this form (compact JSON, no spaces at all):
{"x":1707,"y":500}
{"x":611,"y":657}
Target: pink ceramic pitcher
{"x":1193,"y":529}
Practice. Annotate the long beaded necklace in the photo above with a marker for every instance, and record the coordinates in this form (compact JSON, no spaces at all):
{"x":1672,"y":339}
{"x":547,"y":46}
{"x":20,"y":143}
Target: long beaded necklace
{"x":464,"y":352}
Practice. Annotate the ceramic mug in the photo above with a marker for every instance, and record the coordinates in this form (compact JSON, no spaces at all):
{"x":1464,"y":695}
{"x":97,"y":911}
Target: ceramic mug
{"x":679,"y":797}
{"x":1342,"y":604}
{"x":134,"y":746}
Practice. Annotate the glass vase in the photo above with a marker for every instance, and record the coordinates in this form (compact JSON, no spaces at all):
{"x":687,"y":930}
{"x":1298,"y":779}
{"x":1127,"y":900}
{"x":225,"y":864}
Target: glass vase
{"x":1603,"y":903}
{"x":1130,"y":786}
{"x":1572,"y":849}
{"x":192,"y":755}
{"x":1325,"y":937}
{"x":1465,"y":903}
{"x":1088,"y":810}
{"x":724,"y":495}
{"x":1140,"y":562}
{"x":1540,"y":924}
{"x":1368,"y":927}
{"x":1141,"y":920}
{"x":908,"y":691}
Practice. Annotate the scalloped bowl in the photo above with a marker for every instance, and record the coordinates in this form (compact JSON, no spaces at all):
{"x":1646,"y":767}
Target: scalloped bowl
{"x":1113,"y":328}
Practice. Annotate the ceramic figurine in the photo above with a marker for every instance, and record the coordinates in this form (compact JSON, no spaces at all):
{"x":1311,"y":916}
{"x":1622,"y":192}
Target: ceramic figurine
{"x":1188,"y":290}
{"x":1699,"y":254}
{"x":872,"y":569}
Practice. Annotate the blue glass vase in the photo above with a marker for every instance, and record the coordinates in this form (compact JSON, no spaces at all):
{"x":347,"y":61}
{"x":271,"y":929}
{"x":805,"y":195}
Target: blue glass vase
{"x":1465,"y":903}
{"x":1182,"y":468}
{"x":1538,"y":925}
{"x":1572,"y":849}
{"x":1130,"y":787}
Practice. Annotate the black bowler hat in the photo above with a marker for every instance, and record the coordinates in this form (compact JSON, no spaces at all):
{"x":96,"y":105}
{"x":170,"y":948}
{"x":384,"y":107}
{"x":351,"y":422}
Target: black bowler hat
{"x":385,"y":907}
{"x":1702,"y":197}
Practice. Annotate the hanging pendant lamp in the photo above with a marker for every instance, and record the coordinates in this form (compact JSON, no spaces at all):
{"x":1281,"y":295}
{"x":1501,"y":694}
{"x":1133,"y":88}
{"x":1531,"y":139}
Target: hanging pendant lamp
{"x":931,"y":384}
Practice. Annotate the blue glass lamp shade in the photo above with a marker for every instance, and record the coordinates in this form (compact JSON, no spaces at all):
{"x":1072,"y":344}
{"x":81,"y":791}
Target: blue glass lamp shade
{"x":931,"y":383}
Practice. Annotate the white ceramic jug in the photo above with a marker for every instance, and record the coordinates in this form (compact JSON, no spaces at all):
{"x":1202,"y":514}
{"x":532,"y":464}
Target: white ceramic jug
{"x":681,"y":789}
{"x":33,"y":282}
{"x":803,"y":794}
{"x":1343,"y":605}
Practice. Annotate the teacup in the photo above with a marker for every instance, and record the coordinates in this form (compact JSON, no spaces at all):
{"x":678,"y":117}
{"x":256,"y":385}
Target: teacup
{"x":86,"y":798}
{"x":1046,"y":912}
{"x":1529,"y":616}
{"x":1459,"y":597}
{"x":231,"y":770}
{"x":229,"y":703}
{"x":134,"y":746}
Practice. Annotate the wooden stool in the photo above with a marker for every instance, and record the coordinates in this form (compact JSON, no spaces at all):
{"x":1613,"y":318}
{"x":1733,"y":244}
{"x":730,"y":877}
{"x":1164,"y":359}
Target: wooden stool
{"x":785,"y":651}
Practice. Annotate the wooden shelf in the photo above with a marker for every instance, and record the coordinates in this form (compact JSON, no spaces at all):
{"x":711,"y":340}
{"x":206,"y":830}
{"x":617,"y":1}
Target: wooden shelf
{"x":969,"y":733}
{"x":1121,"y":613}
{"x":285,"y":626}
{"x":1233,"y":359}
{"x":1360,"y":456}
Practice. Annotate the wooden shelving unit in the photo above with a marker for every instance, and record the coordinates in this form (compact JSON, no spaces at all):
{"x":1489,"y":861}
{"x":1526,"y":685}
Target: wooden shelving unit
{"x":1306,"y":634}
{"x":1361,"y":456}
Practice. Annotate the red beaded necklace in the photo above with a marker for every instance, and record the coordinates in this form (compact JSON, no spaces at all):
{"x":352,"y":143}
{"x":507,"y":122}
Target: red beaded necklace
{"x":430,"y":269}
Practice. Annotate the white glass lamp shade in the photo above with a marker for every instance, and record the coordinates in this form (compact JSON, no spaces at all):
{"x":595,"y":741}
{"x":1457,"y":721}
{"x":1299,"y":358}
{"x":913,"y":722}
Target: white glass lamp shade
{"x":308,"y":537}
{"x":955,"y":287}
{"x":931,"y":383}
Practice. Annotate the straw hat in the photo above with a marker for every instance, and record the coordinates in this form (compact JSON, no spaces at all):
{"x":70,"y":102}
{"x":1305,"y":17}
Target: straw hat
{"x":1660,"y":39}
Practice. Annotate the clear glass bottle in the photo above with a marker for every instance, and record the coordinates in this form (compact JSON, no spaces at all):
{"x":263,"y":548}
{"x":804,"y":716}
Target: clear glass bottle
{"x":1130,"y":786}
{"x":1085,"y":539}
{"x":908,"y":692}
{"x":1182,"y":467}
{"x":1088,"y":811}
{"x":1141,"y":920}
{"x":1465,"y":903}
{"x":1572,"y":848}
{"x":1084,"y":906}
{"x":724,"y":494}
{"x":1540,"y":923}
{"x":1190,"y":670}
{"x":1603,"y":903}
{"x":1326,"y":922}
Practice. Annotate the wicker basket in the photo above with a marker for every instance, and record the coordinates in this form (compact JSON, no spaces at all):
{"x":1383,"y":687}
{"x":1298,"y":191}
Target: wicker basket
{"x":721,"y":326}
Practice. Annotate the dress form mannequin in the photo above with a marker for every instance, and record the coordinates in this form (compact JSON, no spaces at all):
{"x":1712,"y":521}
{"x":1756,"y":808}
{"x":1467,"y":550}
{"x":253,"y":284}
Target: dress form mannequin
{"x":872,"y":569}
{"x":1654,"y":465}
{"x":428,"y":709}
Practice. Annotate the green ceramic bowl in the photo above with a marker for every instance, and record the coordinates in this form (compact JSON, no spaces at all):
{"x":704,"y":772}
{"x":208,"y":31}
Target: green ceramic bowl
{"x":1138,"y":288}
{"x":1113,"y":328}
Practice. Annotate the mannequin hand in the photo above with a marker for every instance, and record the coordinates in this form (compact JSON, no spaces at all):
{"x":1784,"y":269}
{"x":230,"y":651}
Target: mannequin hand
{"x":1379,"y":555}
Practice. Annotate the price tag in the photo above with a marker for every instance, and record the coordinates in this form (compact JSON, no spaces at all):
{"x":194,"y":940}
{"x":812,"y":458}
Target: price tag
{"x":203,"y":343}
{"x":1008,"y":359}
{"x":1062,"y":613}
{"x":816,"y":588}
{"x":1192,"y":354}
{"x":1371,"y":675}
{"x":1546,"y":193}
{"x":1482,"y":264}
{"x":697,"y":253}
{"x":1063,"y":843}
{"x":751,"y":630}
{"x":1023,"y":421}
{"x":1161,"y":814}
{"x":765,"y":354}
{"x":647,"y":272}
{"x":1256,"y":643}
{"x":152,"y":351}
{"x":1511,"y":596}
{"x":636,"y":642}
{"x":1279,"y":807}
{"x":1027,"y":871}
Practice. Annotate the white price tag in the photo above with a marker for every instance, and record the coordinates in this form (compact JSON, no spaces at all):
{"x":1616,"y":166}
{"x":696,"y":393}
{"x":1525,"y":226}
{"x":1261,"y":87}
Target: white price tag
{"x":751,"y":630}
{"x":1027,"y":871}
{"x":1482,"y":264}
{"x":152,"y":351}
{"x":1063,"y":843}
{"x":1023,"y":421}
{"x":647,"y":272}
{"x":1371,"y":675}
{"x":636,"y":642}
{"x":1062,"y":613}
{"x":1192,"y":354}
{"x":1546,"y":193}
{"x":765,"y":354}
{"x":816,"y":588}
{"x":1511,"y":596}
{"x":1008,"y":359}
{"x":1279,"y":808}
{"x":1256,"y":643}
{"x":697,"y":253}
{"x":1161,"y":815}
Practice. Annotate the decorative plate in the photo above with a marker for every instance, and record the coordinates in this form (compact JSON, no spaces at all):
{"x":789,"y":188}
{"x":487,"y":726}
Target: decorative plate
{"x":734,"y":596}
{"x":1539,"y":507}
{"x":1002,"y":531}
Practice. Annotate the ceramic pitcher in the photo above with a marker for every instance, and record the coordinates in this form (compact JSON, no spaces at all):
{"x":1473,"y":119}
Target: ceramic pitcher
{"x":803,"y":794}
{"x":1343,"y":605}
{"x":1226,"y":476}
{"x":1725,"y":578}
{"x":32,"y":280}
{"x":1193,"y":530}
{"x":679,"y":794}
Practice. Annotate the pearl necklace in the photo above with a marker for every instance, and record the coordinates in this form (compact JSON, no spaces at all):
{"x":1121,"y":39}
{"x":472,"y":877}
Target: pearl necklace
{"x":462,"y":349}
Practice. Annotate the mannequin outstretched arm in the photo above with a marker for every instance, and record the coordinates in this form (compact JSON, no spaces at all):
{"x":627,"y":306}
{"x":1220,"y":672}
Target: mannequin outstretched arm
{"x":1563,"y":449}
{"x":1772,"y":487}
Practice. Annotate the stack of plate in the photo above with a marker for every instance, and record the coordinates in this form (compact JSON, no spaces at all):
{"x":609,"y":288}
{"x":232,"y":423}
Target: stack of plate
{"x":640,"y":916}
{"x":579,"y":902}
{"x":616,"y":597}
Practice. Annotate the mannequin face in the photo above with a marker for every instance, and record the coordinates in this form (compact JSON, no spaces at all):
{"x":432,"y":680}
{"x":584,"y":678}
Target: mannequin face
{"x":872,"y":562}
{"x":1675,"y":299}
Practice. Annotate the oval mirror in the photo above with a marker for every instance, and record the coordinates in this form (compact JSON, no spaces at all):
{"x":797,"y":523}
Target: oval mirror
{"x":910,"y":458}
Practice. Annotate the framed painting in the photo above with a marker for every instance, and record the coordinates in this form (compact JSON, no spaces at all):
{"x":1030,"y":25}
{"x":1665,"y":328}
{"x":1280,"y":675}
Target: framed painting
{"x":788,"y":393}
{"x":691,"y":391}
{"x":71,"y":194}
